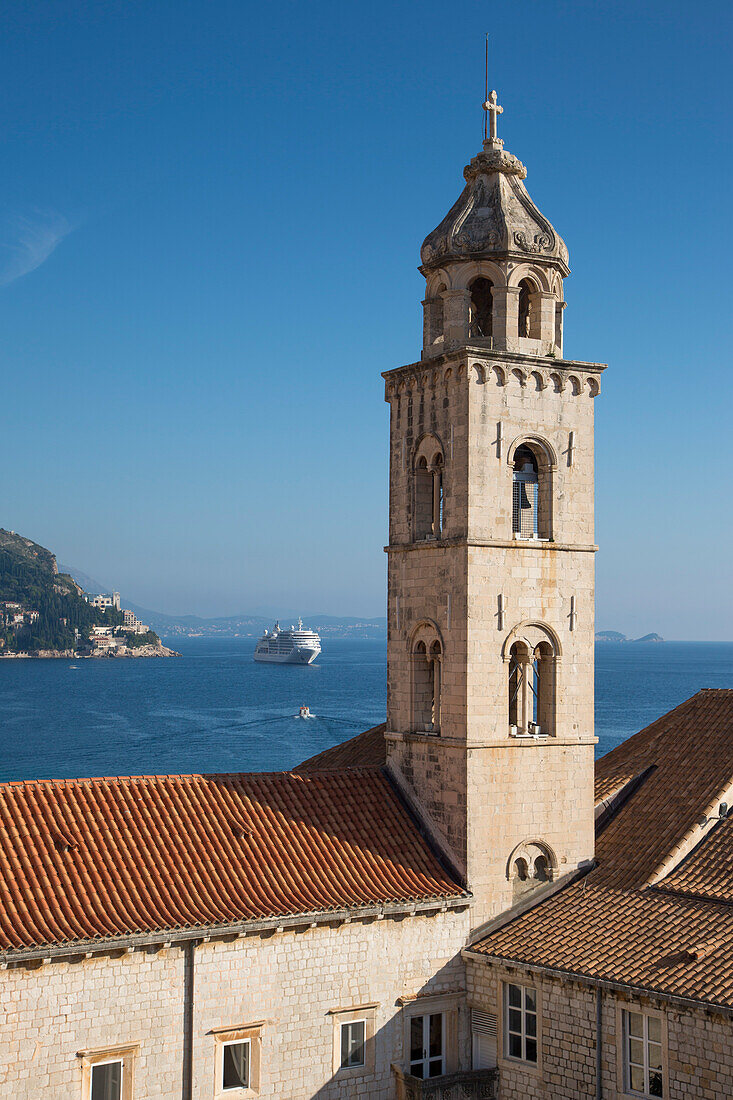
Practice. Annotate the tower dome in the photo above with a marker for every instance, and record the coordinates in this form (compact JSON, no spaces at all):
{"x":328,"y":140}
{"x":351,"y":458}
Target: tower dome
{"x":494,"y":217}
{"x":495,"y":265}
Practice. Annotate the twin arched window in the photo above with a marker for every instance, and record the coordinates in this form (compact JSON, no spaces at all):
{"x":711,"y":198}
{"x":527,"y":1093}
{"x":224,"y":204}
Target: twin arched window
{"x":426,"y":670}
{"x":531,"y":689}
{"x":530,"y":866}
{"x":428,"y":496}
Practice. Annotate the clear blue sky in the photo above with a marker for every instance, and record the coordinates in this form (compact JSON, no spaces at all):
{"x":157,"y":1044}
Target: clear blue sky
{"x":210,"y":217}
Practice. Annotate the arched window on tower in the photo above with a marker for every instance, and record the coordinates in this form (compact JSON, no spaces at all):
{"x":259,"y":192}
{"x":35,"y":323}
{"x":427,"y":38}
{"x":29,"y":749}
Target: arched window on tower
{"x":532,"y":690}
{"x":525,"y":494}
{"x":437,"y":517}
{"x":529,"y":310}
{"x":423,"y":499}
{"x":426,"y":669}
{"x":531,"y":499}
{"x":530,"y":866}
{"x":481,"y":310}
{"x":428,"y":513}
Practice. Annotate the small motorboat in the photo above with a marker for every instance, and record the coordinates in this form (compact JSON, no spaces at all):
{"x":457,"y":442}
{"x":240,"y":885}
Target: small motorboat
{"x":304,"y":712}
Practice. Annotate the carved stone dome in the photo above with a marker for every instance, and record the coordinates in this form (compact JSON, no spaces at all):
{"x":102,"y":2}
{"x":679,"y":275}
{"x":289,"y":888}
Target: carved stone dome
{"x":494,"y":217}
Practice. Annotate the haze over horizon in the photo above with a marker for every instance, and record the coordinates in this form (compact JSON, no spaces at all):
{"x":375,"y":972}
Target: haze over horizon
{"x":209,"y":235}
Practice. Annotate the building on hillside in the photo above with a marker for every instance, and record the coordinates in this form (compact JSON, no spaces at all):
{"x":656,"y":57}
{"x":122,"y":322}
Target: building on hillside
{"x":457,"y":904}
{"x":132,"y":623}
{"x":103,"y":600}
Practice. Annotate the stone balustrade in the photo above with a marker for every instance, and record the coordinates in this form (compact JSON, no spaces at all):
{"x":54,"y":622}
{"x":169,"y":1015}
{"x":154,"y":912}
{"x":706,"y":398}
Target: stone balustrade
{"x":467,"y":1084}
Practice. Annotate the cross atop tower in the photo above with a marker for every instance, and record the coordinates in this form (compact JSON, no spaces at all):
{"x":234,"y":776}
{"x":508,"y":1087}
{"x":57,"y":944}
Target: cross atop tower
{"x":493,"y":109}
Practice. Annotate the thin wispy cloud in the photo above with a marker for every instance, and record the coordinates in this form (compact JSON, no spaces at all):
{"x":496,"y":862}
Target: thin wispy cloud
{"x":27,"y":240}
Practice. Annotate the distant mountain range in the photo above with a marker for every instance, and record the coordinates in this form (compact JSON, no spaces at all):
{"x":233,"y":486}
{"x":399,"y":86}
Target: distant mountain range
{"x":243,"y":624}
{"x":614,"y":636}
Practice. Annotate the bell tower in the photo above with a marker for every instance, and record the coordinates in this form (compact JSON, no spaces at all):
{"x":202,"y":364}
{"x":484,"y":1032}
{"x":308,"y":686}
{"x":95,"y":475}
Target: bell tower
{"x":490,"y":728}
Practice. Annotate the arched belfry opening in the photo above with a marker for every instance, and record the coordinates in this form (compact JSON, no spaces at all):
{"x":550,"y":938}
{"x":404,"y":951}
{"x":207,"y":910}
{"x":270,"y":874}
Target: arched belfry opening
{"x":531,"y":493}
{"x":481,"y":309}
{"x":426,"y":686}
{"x":429,"y":503}
{"x":528,"y":315}
{"x":531,"y":689}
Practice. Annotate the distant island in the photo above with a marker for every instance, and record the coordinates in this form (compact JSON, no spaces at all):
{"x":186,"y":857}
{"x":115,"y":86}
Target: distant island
{"x":615,"y":636}
{"x":46,"y":613}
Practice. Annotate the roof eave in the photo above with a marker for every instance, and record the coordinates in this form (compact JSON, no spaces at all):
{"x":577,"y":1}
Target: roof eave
{"x":167,"y":937}
{"x":598,"y":983}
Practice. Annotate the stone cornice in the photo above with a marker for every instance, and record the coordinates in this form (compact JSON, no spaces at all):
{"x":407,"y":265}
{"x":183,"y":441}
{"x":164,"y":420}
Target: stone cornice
{"x":166,"y":938}
{"x":507,"y":742}
{"x":538,"y":546}
{"x":490,"y":355}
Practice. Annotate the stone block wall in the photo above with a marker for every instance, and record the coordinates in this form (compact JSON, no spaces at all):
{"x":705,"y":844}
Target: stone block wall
{"x":51,"y":1013}
{"x":290,"y":983}
{"x":698,"y":1044}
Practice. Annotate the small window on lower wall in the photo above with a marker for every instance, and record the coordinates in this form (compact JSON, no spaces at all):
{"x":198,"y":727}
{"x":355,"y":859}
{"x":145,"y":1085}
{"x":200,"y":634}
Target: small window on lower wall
{"x":237,"y":1060}
{"x":520,"y":1023}
{"x":643,"y":1054}
{"x":353,"y":1040}
{"x":235,"y":1065}
{"x":108,"y":1074}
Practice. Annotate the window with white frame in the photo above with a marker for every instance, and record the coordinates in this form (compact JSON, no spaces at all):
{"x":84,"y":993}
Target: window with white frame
{"x":106,"y":1080}
{"x":643,"y":1068}
{"x":237,"y":1058}
{"x":235,"y":1064}
{"x":353,"y":1042}
{"x":520,"y":1022}
{"x":427,"y":1045}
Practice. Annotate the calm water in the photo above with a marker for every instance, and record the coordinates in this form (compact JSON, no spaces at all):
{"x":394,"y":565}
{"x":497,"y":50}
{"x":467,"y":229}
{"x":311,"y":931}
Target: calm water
{"x":214,"y":709}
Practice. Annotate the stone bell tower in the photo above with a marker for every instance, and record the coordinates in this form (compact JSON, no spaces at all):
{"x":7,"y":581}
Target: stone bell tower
{"x":491,"y":552}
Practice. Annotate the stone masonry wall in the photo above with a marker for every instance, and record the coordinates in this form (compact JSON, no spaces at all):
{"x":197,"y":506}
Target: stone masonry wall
{"x":699,"y":1044}
{"x":289,"y":981}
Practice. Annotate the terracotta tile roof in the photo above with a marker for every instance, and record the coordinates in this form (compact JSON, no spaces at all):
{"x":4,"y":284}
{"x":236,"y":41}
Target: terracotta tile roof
{"x":367,"y":749}
{"x":656,"y":909}
{"x":87,"y":859}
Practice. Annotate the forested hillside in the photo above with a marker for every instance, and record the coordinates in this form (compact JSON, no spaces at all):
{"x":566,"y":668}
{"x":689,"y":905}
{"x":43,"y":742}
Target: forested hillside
{"x":50,"y":603}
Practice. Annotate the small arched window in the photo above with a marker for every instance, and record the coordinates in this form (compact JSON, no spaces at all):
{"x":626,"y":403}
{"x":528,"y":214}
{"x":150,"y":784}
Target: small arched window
{"x":520,"y":869}
{"x":423,"y":499}
{"x":426,"y":668}
{"x":529,"y":310}
{"x":429,"y":492}
{"x":541,"y":870}
{"x":481,"y":311}
{"x":525,"y":494}
{"x":531,"y":493}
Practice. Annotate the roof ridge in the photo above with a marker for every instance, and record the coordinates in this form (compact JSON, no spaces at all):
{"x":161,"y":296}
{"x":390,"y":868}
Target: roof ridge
{"x":167,"y":776}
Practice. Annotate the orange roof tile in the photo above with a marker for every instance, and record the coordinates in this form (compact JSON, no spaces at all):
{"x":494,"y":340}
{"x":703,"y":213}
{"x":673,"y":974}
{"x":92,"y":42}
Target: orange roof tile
{"x":367,"y":749}
{"x":89,"y":859}
{"x":649,"y":914}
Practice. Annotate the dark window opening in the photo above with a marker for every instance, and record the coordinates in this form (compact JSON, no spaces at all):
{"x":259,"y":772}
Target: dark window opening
{"x":481,"y":312}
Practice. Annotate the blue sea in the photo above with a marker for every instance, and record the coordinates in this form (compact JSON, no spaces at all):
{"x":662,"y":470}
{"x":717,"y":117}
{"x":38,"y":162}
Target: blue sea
{"x":213,"y":709}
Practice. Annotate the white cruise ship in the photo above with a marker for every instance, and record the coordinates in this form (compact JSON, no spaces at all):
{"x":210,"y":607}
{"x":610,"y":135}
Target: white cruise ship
{"x":291,"y":647}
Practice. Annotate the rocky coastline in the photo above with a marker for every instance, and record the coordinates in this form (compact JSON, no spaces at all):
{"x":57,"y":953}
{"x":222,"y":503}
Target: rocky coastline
{"x":121,"y":652}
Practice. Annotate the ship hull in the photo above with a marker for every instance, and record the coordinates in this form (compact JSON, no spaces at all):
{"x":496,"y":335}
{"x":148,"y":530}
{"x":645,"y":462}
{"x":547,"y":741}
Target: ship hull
{"x":298,"y":656}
